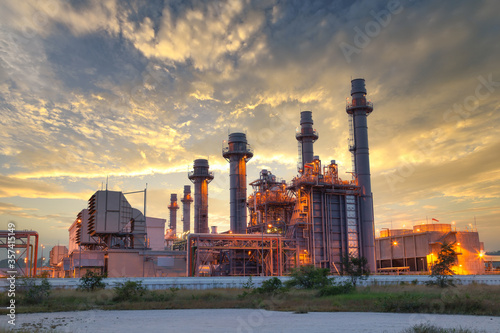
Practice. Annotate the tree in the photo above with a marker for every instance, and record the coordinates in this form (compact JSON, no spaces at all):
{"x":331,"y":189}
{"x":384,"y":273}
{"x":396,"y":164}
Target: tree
{"x":356,"y":268}
{"x":441,"y":270}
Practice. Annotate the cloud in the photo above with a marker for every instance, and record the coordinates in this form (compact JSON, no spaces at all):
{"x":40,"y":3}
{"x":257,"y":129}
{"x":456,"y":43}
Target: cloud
{"x":24,"y":212}
{"x":96,"y":88}
{"x":28,"y":188}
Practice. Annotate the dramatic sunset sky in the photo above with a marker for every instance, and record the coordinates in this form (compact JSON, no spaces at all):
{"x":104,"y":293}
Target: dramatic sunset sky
{"x":136,"y":90}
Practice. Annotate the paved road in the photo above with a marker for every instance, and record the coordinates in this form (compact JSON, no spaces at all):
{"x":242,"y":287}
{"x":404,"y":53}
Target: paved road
{"x":243,"y":321}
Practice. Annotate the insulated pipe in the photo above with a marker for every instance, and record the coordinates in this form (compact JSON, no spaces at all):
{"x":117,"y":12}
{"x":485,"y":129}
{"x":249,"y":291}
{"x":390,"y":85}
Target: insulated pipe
{"x":359,"y":108}
{"x":186,"y":209}
{"x":237,"y":153}
{"x":201,"y":177}
{"x":307,"y":136}
{"x":173,"y":207}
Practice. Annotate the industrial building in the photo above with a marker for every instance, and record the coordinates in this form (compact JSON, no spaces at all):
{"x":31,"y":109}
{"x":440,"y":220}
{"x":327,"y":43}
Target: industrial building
{"x":317,"y":218}
{"x":415,"y":250}
{"x":112,"y":237}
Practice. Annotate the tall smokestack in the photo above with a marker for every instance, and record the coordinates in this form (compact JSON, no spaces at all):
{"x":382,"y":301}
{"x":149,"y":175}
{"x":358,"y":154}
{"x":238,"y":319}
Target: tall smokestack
{"x":186,"y":209}
{"x":238,"y":153}
{"x":359,"y":109}
{"x":201,"y":177}
{"x":306,"y":138}
{"x":173,"y":213}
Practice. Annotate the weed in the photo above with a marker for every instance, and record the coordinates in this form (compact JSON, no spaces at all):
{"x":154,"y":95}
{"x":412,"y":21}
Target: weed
{"x":173,"y":290}
{"x":249,"y":284}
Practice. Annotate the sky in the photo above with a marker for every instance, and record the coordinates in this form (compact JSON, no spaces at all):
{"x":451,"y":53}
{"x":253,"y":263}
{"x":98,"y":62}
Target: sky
{"x":134,"y":91}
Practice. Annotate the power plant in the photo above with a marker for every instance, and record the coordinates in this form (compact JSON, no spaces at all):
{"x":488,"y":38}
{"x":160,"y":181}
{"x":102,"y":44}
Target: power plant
{"x":315,"y":218}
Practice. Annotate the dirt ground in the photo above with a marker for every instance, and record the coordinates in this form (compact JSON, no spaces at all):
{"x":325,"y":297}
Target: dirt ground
{"x":242,"y":321}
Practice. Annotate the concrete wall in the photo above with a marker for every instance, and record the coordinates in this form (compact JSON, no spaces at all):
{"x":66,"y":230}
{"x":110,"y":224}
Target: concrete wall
{"x":238,"y":282}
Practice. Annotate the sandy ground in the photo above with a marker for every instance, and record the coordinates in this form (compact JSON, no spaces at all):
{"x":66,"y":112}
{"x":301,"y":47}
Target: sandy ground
{"x":243,"y":320}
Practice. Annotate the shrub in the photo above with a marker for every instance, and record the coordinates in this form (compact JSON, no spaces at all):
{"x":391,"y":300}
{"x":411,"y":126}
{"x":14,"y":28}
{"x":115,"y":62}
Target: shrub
{"x":92,"y":281}
{"x":34,"y":292}
{"x":129,"y":291}
{"x":271,"y":286}
{"x":336,"y":289}
{"x":309,"y":277}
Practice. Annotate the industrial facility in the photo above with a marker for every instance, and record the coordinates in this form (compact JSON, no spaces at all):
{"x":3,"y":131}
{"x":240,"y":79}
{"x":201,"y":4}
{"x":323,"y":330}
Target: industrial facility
{"x":415,"y":250}
{"x":316,"y":218}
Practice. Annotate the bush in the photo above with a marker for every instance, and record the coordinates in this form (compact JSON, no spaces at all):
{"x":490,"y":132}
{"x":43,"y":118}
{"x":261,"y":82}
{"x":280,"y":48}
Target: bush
{"x":34,"y":292}
{"x":337,"y":289}
{"x":271,"y":286}
{"x":92,"y":281}
{"x":309,"y":277}
{"x":129,"y":291}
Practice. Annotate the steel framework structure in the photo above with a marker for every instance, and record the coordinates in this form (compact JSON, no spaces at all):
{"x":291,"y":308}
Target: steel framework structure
{"x":22,"y":240}
{"x":240,"y":255}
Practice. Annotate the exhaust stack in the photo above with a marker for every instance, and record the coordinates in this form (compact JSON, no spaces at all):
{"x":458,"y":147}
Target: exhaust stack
{"x":186,"y":209}
{"x":238,"y":152}
{"x":359,"y":109}
{"x":201,"y":177}
{"x":173,"y":207}
{"x":306,"y":138}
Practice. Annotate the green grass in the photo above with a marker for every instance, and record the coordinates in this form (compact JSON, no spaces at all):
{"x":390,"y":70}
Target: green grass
{"x":472,"y":300}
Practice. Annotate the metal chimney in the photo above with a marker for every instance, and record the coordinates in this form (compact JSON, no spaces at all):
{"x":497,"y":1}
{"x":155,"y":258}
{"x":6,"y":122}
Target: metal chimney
{"x":306,"y":138}
{"x":201,"y":177}
{"x":173,"y":207}
{"x":238,"y":152}
{"x":359,"y":109}
{"x":186,"y":208}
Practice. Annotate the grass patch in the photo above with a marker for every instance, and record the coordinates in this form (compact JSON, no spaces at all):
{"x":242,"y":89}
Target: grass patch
{"x":425,"y":328}
{"x":471,"y":299}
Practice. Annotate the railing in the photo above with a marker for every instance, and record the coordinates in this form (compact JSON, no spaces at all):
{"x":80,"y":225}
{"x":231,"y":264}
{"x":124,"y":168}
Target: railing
{"x":299,"y":134}
{"x":209,"y":174}
{"x":247,"y":150}
{"x":350,"y":105}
